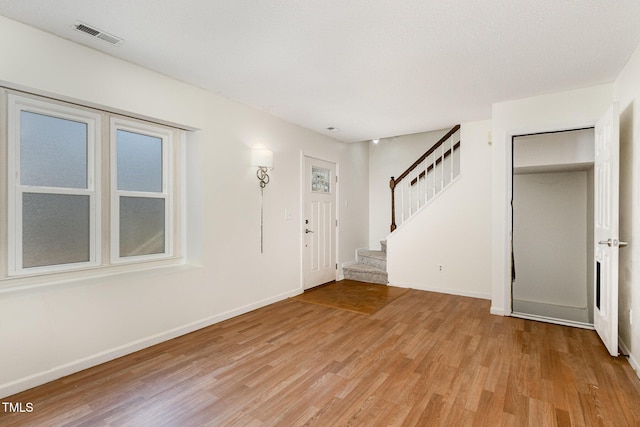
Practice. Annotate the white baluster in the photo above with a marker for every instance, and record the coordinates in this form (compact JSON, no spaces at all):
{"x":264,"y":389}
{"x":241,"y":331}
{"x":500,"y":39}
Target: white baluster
{"x":409,"y":179}
{"x":402,"y":203}
{"x":421,"y":186}
{"x":454,"y":167}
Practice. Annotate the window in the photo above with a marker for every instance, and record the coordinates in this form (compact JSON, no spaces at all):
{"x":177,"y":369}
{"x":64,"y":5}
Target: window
{"x":54,"y":210}
{"x":140,"y":175}
{"x":87,"y":189}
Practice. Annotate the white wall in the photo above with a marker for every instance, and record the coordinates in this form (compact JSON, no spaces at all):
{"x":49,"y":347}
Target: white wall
{"x":452,"y":231}
{"x":391,"y":157}
{"x":560,"y":111}
{"x":50,"y":331}
{"x":551,"y":150}
{"x":353,"y":205}
{"x":550,"y":241}
{"x":627,"y":93}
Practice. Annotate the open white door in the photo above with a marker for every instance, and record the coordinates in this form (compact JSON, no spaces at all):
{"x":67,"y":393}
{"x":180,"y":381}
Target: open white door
{"x":606,"y":216}
{"x":319,"y":258}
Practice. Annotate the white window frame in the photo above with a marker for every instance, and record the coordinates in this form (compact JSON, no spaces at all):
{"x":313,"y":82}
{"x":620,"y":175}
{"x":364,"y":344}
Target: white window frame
{"x":16,"y":104}
{"x":103,"y":211}
{"x":166,"y":135}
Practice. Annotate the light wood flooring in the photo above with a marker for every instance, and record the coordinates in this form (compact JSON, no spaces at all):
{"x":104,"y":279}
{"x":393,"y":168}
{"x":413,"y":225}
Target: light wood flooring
{"x":361,"y":297}
{"x":423,"y":359}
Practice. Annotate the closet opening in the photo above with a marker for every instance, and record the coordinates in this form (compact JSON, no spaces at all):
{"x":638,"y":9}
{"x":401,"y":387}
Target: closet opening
{"x":553,"y":227}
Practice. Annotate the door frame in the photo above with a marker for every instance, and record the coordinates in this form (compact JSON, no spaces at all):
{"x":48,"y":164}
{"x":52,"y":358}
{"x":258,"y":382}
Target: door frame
{"x":505,"y":271}
{"x":576,"y":324}
{"x":301,"y":212}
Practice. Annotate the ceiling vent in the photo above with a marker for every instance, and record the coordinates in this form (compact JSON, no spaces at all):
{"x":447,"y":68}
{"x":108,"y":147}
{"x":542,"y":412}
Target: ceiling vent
{"x":96,"y":33}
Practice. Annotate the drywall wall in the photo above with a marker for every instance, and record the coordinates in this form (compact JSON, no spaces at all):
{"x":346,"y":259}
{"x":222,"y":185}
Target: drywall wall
{"x":550,"y":240}
{"x":453,"y":231}
{"x":53,"y":330}
{"x":560,"y":111}
{"x":354,"y":203}
{"x":550,"y":151}
{"x":627,"y":93}
{"x":391,"y":157}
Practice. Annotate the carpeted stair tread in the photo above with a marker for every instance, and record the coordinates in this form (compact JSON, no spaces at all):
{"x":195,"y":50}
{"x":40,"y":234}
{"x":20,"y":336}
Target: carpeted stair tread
{"x":364,"y":267}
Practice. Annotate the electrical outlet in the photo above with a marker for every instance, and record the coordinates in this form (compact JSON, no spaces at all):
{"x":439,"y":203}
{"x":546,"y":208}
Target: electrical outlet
{"x":440,"y":268}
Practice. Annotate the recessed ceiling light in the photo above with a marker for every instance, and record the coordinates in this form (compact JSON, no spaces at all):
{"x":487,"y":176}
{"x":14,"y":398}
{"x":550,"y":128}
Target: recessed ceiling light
{"x":375,"y":140}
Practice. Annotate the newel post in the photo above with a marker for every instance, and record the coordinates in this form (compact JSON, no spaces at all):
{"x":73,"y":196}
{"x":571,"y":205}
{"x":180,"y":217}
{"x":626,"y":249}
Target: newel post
{"x":392,"y":185}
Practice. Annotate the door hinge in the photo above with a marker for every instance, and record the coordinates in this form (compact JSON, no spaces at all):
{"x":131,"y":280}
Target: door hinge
{"x":336,"y":222}
{"x":336,"y":266}
{"x":336,"y":178}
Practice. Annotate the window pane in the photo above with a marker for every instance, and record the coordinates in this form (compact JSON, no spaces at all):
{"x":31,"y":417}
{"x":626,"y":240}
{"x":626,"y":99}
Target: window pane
{"x":55,"y":229}
{"x":142,"y":226}
{"x":139,"y":162}
{"x":320,"y":180}
{"x":53,"y":151}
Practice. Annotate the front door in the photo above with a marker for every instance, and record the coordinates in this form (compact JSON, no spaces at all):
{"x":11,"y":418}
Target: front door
{"x":607,"y":165}
{"x":319,"y":222}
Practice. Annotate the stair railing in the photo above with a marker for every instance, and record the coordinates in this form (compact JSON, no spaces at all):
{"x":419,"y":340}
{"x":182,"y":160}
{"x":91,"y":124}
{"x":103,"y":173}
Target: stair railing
{"x":427,"y":176}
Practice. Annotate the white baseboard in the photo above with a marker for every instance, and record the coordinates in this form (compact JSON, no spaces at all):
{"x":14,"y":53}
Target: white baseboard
{"x":632,"y":361}
{"x":442,"y":290}
{"x":43,"y":377}
{"x":634,"y":364}
{"x":497,"y":311}
{"x":552,"y":310}
{"x":623,"y":346}
{"x":563,"y":322}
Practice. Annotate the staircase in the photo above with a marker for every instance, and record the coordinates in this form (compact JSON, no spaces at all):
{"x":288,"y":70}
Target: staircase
{"x":415,"y":188}
{"x":370,"y":266}
{"x":425,"y":178}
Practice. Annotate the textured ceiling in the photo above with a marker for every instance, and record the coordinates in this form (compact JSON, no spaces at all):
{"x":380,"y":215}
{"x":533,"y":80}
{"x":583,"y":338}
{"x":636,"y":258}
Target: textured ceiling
{"x":372,"y":68}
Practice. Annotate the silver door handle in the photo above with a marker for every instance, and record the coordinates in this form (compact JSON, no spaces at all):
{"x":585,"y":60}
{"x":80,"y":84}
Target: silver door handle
{"x":307,"y":231}
{"x":614,"y":242}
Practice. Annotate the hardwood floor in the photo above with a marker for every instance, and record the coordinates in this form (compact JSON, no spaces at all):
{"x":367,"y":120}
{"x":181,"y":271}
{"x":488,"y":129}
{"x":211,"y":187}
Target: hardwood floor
{"x":423,"y":359}
{"x":361,"y":297}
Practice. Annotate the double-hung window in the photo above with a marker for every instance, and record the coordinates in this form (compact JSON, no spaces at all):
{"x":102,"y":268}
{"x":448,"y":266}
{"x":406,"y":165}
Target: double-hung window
{"x":87,"y":189}
{"x":140,"y":177}
{"x":53,"y":182}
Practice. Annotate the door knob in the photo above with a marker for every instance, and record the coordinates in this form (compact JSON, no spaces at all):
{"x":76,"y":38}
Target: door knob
{"x":307,"y":231}
{"x":607,"y":242}
{"x":614,"y":243}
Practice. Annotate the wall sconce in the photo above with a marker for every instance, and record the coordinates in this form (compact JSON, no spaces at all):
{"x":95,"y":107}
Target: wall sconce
{"x":263,"y":160}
